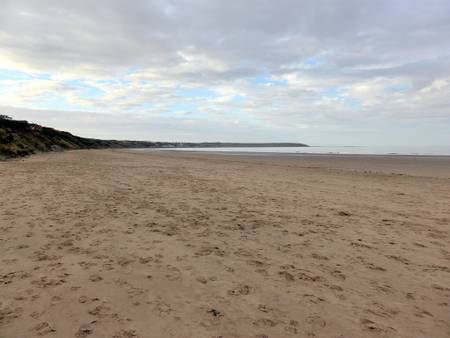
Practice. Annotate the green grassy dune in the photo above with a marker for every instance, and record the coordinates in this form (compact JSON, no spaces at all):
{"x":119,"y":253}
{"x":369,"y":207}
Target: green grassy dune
{"x":20,"y":138}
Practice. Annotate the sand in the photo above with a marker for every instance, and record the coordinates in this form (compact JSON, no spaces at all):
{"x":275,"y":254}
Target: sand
{"x":164,"y":244}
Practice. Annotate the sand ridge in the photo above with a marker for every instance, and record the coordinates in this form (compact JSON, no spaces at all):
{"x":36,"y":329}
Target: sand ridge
{"x":127,"y":244}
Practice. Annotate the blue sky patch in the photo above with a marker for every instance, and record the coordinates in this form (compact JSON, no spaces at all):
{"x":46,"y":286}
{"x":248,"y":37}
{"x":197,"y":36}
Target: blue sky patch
{"x":9,"y":74}
{"x":402,"y":87}
{"x":265,"y":79}
{"x":88,"y":90}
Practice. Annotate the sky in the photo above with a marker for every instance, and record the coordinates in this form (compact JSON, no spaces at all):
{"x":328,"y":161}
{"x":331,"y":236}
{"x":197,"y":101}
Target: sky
{"x":351,"y":72}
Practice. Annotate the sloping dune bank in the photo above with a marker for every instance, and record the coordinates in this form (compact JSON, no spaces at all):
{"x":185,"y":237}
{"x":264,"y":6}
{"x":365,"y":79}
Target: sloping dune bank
{"x":117,"y":243}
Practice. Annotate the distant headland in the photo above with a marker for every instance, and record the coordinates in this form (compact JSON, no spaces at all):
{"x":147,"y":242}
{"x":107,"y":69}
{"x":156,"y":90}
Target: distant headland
{"x":21,"y":138}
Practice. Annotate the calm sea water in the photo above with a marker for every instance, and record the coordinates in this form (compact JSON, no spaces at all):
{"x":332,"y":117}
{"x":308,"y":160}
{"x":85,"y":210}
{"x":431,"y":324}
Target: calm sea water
{"x":378,"y":150}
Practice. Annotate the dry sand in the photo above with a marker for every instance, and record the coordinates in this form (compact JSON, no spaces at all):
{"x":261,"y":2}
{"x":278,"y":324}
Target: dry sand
{"x":131,"y":244}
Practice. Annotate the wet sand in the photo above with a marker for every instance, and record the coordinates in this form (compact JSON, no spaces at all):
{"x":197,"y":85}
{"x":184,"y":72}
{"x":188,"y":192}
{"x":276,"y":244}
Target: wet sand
{"x":167,"y":244}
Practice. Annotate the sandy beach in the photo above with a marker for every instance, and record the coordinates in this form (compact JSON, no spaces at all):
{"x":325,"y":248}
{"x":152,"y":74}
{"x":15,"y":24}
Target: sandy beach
{"x":121,"y":244}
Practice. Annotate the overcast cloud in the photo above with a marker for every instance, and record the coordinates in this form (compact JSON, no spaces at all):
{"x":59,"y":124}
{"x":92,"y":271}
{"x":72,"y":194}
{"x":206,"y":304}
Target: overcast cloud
{"x":320,"y":72}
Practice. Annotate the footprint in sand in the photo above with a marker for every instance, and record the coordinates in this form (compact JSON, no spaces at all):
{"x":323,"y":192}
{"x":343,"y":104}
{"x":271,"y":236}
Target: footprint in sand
{"x":215,"y":313}
{"x":292,"y":328}
{"x":288,"y":276}
{"x":145,"y":260}
{"x":162,"y":309}
{"x":338,"y":274}
{"x":7,"y":314}
{"x":313,"y":298}
{"x":45,"y":282}
{"x":344,"y":213}
{"x":126,"y":334}
{"x":95,"y":278}
{"x":206,"y":251}
{"x":173,"y":274}
{"x":399,"y":259}
{"x":290,"y":273}
{"x":380,"y":310}
{"x":84,"y":331}
{"x":12,"y":276}
{"x":265,"y":308}
{"x":202,"y":280}
{"x":256,"y":263}
{"x":102,"y":311}
{"x":370,"y":265}
{"x":265,"y":322}
{"x":86,"y":265}
{"x":124,"y":261}
{"x":370,"y":325}
{"x":319,"y":257}
{"x":43,"y":329}
{"x":135,"y":292}
{"x":241,"y":290}
{"x":82,"y":299}
{"x":316,"y":322}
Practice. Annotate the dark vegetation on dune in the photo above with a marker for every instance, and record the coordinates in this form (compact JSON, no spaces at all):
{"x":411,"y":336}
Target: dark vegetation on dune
{"x":21,"y":138}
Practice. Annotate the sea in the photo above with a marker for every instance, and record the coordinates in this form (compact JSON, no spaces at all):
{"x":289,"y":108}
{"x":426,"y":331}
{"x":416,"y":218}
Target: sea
{"x":361,"y":150}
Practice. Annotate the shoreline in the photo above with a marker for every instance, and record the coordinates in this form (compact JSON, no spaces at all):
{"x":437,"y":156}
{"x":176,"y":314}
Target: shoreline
{"x":284,"y":154}
{"x":418,"y":165}
{"x":325,"y":150}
